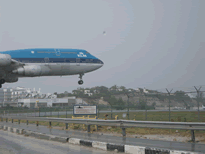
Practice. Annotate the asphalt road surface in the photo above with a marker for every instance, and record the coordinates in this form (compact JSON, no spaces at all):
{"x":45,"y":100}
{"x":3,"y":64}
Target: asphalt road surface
{"x":11,"y":143}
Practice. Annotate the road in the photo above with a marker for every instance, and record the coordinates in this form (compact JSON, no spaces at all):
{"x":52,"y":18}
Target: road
{"x":194,"y":147}
{"x":11,"y":143}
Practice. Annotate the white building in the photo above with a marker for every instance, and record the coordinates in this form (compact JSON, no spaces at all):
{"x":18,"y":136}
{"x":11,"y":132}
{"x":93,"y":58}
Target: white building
{"x":88,"y":92}
{"x":54,"y":102}
{"x":80,"y":101}
{"x":145,"y":91}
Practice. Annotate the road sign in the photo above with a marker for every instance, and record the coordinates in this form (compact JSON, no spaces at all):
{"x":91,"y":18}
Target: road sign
{"x":84,"y":110}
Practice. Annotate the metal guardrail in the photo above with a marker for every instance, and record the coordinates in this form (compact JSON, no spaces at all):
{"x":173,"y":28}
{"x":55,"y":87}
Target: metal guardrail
{"x":119,"y":123}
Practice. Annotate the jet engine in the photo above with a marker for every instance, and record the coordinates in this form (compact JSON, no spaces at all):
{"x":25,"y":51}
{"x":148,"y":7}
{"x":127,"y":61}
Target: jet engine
{"x":5,"y":59}
{"x":11,"y":79}
{"x":32,"y":70}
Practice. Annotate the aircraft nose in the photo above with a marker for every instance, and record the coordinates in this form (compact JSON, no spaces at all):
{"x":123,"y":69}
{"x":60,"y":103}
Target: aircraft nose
{"x":99,"y":64}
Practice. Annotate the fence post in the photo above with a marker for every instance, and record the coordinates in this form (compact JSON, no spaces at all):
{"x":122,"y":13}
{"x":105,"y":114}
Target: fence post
{"x":12,"y":120}
{"x":66,"y":112}
{"x":27,"y":122}
{"x":123,"y":132}
{"x":36,"y":123}
{"x":58,"y":113}
{"x":146,"y":114}
{"x":66,"y":126}
{"x":88,"y":128}
{"x":192,"y":136}
{"x":6,"y":119}
{"x":49,"y":124}
{"x":39,"y":111}
{"x":111,"y":112}
{"x":19,"y":121}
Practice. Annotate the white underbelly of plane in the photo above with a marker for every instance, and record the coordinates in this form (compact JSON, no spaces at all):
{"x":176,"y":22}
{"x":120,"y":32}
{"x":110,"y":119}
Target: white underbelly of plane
{"x":58,"y":69}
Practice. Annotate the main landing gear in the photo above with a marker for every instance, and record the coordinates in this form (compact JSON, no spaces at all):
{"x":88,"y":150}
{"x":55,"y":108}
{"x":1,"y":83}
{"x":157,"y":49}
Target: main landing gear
{"x":80,"y":81}
{"x":2,"y":81}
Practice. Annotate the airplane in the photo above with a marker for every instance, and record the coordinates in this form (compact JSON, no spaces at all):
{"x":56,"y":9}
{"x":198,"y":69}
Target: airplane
{"x":36,"y":62}
{"x":203,"y":107}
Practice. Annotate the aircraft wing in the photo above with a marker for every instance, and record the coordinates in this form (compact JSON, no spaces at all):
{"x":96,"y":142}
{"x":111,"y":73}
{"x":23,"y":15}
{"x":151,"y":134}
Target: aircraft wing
{"x":15,"y":62}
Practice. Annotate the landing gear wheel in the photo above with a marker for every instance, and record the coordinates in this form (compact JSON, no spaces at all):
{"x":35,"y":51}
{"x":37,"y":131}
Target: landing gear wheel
{"x":0,"y":85}
{"x":80,"y":82}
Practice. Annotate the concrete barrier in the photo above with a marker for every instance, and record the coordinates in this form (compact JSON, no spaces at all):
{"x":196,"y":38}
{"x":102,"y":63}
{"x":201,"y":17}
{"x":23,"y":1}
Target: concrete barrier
{"x":10,"y":129}
{"x":74,"y":141}
{"x":86,"y":143}
{"x":118,"y":147}
{"x":181,"y":152}
{"x":134,"y":149}
{"x":42,"y":136}
{"x":14,"y":130}
{"x":99,"y":145}
{"x":58,"y":139}
{"x":149,"y":150}
{"x":5,"y":127}
{"x":19,"y":131}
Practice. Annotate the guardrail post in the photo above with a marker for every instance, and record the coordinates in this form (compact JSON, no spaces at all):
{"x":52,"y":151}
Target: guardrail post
{"x":36,"y":123}
{"x":19,"y":121}
{"x":192,"y":136}
{"x":66,"y":126}
{"x":88,"y":128}
{"x":27,"y":122}
{"x":12,"y":120}
{"x":49,"y":124}
{"x":123,"y":132}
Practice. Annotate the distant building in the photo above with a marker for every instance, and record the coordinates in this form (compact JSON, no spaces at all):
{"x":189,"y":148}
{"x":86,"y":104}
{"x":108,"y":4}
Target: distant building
{"x":54,"y":102}
{"x":10,"y":96}
{"x":145,"y":91}
{"x":88,"y":92}
{"x":80,"y":101}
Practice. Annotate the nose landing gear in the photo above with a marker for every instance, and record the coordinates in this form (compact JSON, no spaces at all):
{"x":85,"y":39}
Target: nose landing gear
{"x":80,"y":81}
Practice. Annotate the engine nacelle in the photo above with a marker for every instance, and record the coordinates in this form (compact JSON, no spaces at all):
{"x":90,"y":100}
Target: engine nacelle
{"x":11,"y":79}
{"x":33,"y":70}
{"x":5,"y":59}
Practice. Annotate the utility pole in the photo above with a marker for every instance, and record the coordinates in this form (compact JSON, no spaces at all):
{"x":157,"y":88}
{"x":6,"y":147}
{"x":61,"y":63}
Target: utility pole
{"x":198,"y":93}
{"x":169,"y":92}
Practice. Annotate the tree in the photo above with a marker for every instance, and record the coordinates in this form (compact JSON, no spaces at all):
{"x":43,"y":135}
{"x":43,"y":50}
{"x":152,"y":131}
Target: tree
{"x":120,"y":104}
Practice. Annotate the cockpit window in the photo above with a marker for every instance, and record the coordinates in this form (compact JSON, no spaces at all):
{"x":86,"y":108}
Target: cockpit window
{"x":87,"y":52}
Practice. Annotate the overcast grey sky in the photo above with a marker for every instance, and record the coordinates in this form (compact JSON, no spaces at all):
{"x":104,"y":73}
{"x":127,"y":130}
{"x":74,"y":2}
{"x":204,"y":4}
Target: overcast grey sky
{"x":149,"y":43}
